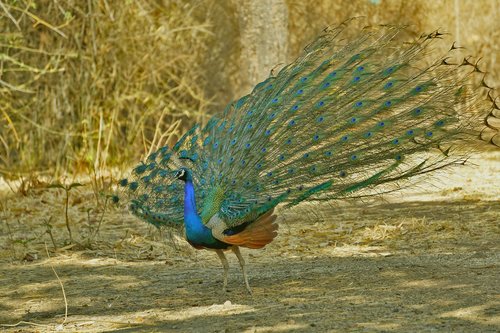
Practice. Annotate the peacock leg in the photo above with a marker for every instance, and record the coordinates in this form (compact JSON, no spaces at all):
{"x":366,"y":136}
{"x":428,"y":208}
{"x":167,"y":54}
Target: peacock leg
{"x":225,"y":264}
{"x":236,"y":251}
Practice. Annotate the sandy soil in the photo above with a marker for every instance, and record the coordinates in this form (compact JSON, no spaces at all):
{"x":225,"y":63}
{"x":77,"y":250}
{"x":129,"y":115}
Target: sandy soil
{"x":421,"y":261}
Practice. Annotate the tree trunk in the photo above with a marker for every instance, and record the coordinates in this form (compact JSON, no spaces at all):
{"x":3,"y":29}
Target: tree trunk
{"x":263,"y":38}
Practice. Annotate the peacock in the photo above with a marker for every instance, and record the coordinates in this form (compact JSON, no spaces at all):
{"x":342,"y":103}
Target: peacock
{"x":352,"y":116}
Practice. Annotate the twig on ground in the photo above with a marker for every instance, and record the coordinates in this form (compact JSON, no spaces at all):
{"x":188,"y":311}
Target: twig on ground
{"x":22,"y":322}
{"x":62,"y":286}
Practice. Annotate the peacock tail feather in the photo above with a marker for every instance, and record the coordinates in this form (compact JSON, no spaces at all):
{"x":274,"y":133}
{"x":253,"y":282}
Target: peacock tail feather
{"x":347,"y":116}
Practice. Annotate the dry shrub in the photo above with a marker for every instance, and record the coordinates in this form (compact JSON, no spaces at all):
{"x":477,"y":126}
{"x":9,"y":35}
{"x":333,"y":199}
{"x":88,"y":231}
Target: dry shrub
{"x":473,"y":24}
{"x":89,"y":84}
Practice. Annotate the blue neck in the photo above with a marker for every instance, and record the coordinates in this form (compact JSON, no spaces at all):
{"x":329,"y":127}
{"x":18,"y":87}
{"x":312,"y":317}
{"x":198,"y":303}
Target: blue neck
{"x":189,"y":200}
{"x":197,"y":233}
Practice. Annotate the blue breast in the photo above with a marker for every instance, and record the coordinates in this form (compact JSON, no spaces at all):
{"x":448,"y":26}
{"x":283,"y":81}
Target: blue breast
{"x":197,"y":233}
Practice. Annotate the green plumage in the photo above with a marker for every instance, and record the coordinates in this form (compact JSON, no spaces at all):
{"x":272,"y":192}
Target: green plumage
{"x":347,"y":116}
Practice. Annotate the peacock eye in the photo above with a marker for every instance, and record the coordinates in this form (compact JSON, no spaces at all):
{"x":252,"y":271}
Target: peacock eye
{"x":180,"y":174}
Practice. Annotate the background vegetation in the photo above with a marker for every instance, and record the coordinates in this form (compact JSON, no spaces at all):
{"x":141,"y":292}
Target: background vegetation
{"x":88,"y":85}
{"x":91,"y":84}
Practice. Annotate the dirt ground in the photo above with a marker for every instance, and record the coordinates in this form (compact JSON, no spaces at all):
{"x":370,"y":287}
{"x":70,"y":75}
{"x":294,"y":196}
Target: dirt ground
{"x":425,"y":260}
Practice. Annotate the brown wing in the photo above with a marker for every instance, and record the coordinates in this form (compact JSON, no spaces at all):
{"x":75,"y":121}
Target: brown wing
{"x":257,"y":234}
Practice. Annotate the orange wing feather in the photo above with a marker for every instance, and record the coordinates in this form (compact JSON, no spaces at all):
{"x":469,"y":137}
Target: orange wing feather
{"x":256,"y":235}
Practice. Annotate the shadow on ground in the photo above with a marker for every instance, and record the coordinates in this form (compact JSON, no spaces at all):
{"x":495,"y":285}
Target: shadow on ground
{"x":441,"y":278}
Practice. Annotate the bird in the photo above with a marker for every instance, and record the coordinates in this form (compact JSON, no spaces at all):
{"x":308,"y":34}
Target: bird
{"x":362,"y":111}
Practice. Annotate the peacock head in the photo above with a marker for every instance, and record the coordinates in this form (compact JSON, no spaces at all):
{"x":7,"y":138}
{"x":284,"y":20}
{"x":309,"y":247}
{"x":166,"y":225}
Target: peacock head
{"x":183,"y":174}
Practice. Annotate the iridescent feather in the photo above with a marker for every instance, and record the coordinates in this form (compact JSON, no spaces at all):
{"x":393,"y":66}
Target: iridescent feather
{"x":345,"y":117}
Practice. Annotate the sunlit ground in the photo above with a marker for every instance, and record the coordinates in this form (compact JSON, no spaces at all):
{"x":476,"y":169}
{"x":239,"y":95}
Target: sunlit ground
{"x":424,"y":260}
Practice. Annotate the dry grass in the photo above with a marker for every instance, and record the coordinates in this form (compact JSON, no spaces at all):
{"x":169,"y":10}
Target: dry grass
{"x":88,"y":84}
{"x":473,"y":24}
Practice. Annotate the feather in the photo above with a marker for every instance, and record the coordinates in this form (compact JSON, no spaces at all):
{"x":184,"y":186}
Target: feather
{"x":345,"y":117}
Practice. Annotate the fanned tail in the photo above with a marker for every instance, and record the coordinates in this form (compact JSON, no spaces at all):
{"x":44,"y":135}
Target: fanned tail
{"x":346,"y":116}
